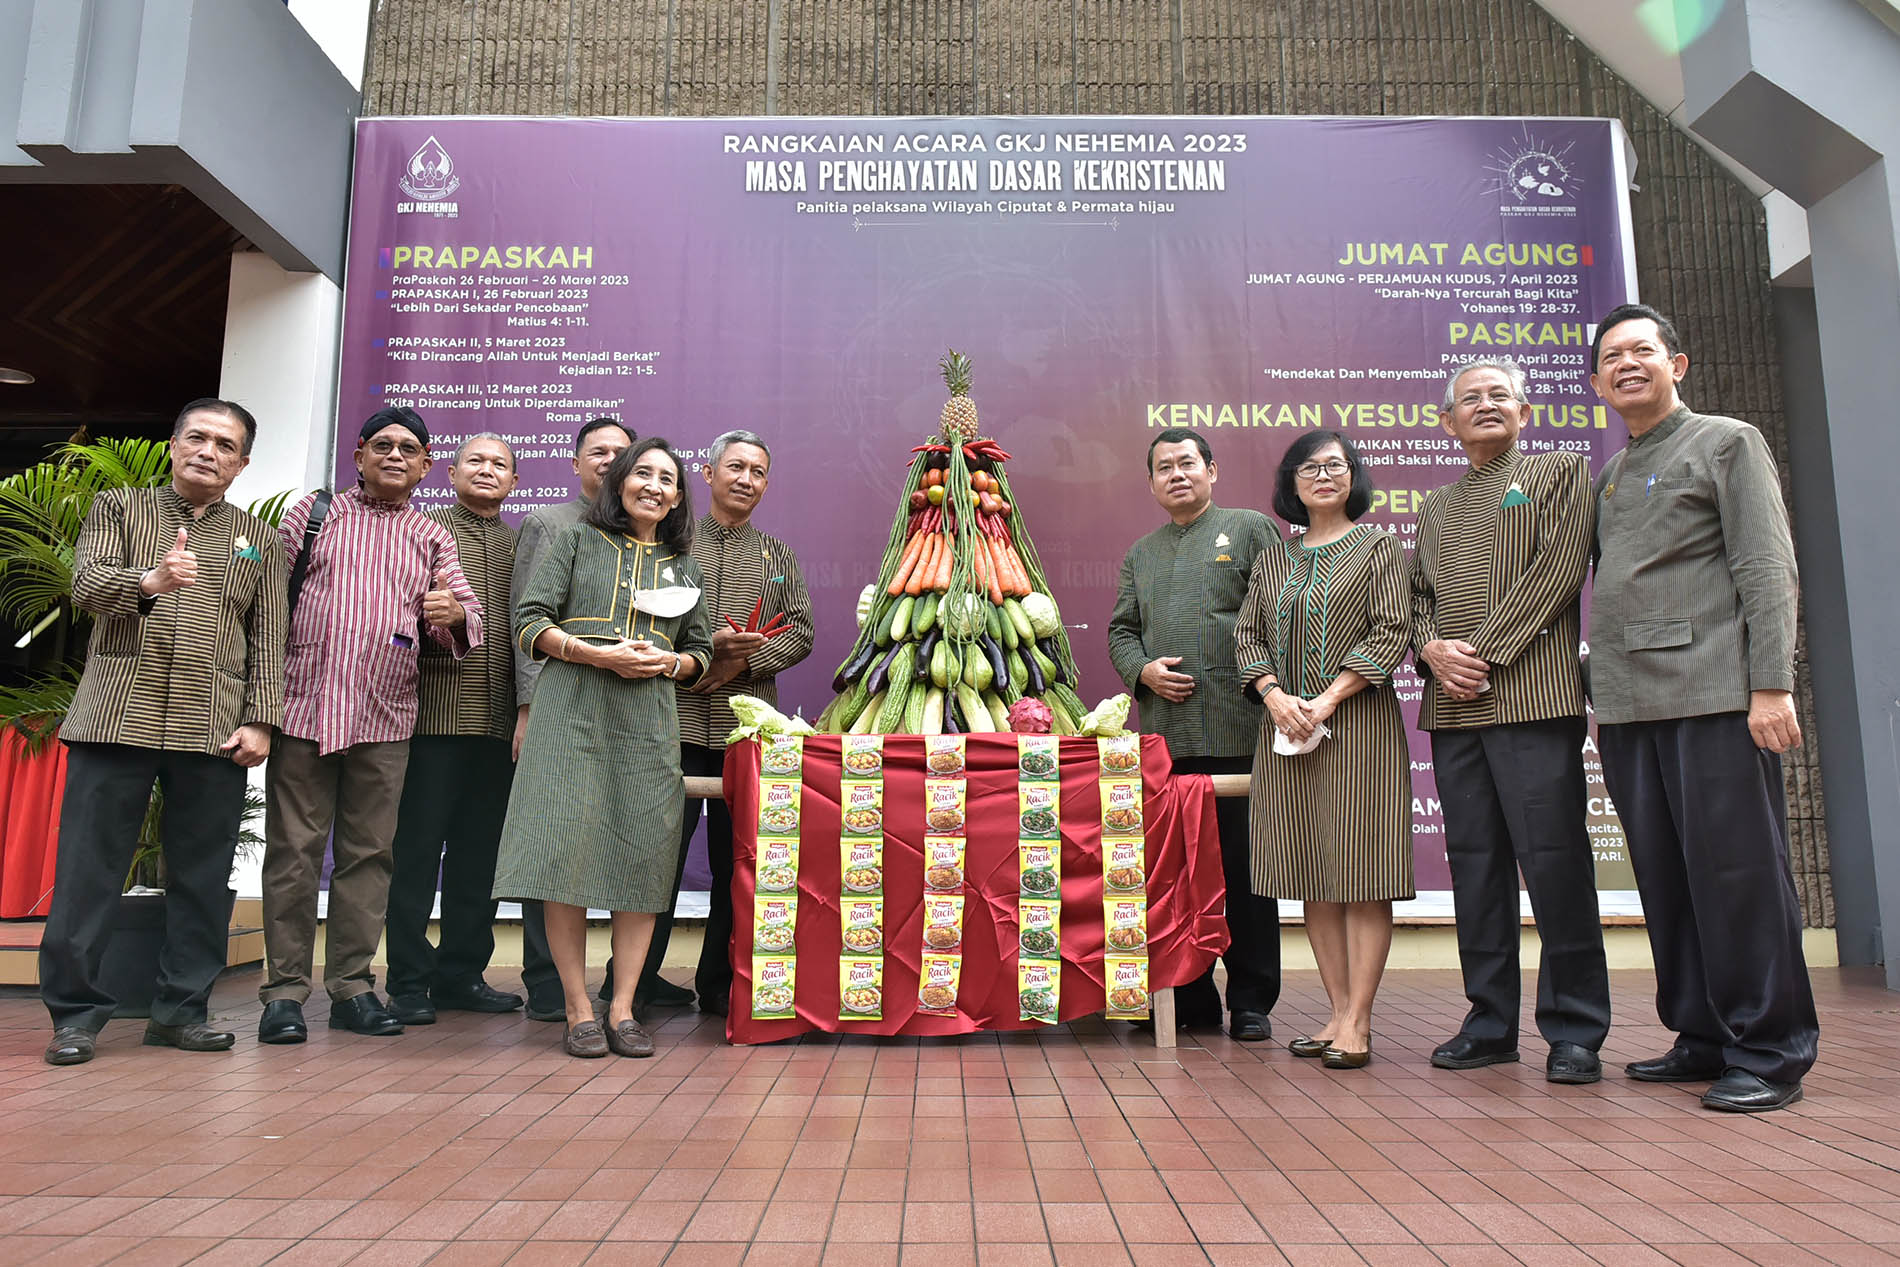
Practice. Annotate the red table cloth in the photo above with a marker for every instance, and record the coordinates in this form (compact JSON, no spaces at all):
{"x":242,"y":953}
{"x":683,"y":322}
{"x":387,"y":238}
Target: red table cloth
{"x":30,"y":789}
{"x":1185,"y":888}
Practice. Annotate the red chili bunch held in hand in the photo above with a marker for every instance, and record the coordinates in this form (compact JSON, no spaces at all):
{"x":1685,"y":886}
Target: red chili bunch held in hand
{"x":773,"y":627}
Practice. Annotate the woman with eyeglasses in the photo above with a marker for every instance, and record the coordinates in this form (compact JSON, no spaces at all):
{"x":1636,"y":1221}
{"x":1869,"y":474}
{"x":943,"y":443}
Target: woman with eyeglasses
{"x":615,"y":610}
{"x":1324,"y":626}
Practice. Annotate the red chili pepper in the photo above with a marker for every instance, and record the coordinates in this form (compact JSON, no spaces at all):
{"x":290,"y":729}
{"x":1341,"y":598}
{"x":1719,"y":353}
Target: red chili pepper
{"x":752,"y":626}
{"x":776,"y":625}
{"x":931,"y":448}
{"x":734,"y":624}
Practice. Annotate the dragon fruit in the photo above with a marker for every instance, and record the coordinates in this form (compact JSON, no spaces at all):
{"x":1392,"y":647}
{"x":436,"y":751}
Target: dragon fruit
{"x":1030,"y":716}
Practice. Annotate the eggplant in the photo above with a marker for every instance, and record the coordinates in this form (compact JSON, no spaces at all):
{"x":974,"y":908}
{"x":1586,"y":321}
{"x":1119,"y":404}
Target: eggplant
{"x":1048,"y":646}
{"x":881,"y":673}
{"x":995,"y":652}
{"x":1037,"y":683}
{"x":921,"y":672}
{"x":855,"y":666}
{"x":950,"y":726}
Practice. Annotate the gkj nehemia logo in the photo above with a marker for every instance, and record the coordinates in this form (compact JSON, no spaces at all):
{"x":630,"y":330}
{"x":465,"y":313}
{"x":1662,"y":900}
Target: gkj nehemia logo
{"x":1531,"y":172}
{"x":429,"y":177}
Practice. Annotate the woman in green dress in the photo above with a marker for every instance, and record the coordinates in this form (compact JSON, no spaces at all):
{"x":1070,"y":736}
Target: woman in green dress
{"x":594,"y":820}
{"x":1324,"y":625}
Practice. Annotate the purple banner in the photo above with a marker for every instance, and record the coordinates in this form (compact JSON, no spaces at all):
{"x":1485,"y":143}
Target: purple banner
{"x":1108,"y":277}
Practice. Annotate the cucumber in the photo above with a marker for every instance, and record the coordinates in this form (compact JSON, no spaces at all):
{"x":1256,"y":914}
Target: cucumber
{"x":1025,"y":632}
{"x":900,"y":619}
{"x":1018,"y":672}
{"x":993,"y":621}
{"x":924,"y":616}
{"x":1010,"y":640}
{"x":971,"y":705}
{"x":999,"y":710}
{"x":862,"y":726}
{"x":933,"y":712}
{"x":849,"y":706}
{"x":890,"y":718}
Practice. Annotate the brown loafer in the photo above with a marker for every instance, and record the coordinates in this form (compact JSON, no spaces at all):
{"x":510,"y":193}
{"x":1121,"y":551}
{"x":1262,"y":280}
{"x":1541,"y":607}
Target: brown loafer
{"x":630,"y":1038}
{"x":586,"y":1040}
{"x":1334,"y":1058}
{"x":1309,"y":1048}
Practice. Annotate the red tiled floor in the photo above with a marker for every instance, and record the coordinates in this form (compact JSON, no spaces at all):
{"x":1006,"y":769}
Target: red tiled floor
{"x":476,"y":1142}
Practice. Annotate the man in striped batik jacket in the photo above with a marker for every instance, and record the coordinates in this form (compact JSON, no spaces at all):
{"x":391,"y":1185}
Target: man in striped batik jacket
{"x":381,"y":577}
{"x":1501,"y":559}
{"x":184,"y":685}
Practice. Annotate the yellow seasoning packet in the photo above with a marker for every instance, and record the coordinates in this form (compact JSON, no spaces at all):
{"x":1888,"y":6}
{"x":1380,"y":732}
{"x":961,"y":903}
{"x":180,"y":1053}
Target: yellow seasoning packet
{"x":861,"y":989}
{"x":943,"y":922}
{"x":944,"y":805}
{"x":1041,"y":929}
{"x":1121,"y":807}
{"x":774,"y":925}
{"x":1120,"y":754}
{"x":777,"y":870}
{"x":943,"y":864}
{"x":937,"y":984}
{"x":1127,"y":980}
{"x":863,"y":756}
{"x":1039,"y":868}
{"x":778,"y":807}
{"x":863,"y":808}
{"x":1038,"y":989}
{"x":943,"y":756}
{"x":1124,"y":867}
{"x":1039,"y":810}
{"x":1127,"y":919}
{"x":774,"y":981}
{"x":862,"y":865}
{"x":863,"y":925}
{"x":782,"y":755}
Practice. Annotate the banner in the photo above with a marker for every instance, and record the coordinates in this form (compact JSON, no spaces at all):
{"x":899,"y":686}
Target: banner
{"x":1250,"y":278}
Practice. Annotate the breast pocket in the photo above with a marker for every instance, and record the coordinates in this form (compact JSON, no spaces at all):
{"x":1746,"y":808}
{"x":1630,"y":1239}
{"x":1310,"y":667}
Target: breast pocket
{"x":1658,"y":635}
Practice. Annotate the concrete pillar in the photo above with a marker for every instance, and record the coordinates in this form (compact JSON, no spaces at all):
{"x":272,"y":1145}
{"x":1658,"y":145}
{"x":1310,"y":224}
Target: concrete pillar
{"x":1808,"y":97}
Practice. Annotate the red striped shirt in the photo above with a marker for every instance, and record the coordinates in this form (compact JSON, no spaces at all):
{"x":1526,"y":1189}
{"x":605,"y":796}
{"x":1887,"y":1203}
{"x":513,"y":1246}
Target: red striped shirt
{"x":350,"y":675}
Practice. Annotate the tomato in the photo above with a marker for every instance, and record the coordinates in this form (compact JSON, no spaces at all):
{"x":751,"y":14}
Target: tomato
{"x":935,"y":494}
{"x":1003,"y":507}
{"x":918,"y":500}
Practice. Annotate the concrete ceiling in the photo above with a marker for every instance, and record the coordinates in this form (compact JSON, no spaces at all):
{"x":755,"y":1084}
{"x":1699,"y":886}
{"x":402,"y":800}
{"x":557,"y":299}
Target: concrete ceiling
{"x":1639,"y":39}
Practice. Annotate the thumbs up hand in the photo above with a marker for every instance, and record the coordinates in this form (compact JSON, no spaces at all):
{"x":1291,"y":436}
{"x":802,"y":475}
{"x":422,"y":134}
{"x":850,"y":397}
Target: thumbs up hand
{"x":176,"y":570}
{"x":439,"y":606}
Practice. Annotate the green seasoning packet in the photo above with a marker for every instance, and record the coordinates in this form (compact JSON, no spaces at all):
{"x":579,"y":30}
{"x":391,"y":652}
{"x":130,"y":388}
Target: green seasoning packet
{"x":1038,"y":987}
{"x":774,"y":978}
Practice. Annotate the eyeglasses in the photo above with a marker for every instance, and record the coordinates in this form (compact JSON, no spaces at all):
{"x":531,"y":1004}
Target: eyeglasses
{"x":383,"y":448}
{"x":1313,"y":470}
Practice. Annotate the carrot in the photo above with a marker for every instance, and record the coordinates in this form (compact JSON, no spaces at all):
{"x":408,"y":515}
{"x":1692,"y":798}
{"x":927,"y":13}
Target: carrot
{"x":1000,"y":581}
{"x":1010,"y":583}
{"x":915,"y":585}
{"x":945,"y":563}
{"x":905,"y":562}
{"x":986,"y":571}
{"x":1023,"y":587}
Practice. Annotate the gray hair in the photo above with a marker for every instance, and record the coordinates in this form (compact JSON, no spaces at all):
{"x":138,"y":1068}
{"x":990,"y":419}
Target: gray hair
{"x":513,"y":463}
{"x":730,"y":438}
{"x":1520,"y":387}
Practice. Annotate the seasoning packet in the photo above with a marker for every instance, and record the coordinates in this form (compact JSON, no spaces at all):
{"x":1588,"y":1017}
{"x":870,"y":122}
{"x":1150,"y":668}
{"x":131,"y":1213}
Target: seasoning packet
{"x":943,"y":864}
{"x":774,"y":981}
{"x":778,"y":808}
{"x":1120,"y":755}
{"x":1039,"y":811}
{"x":1039,"y":870}
{"x":1121,"y":807}
{"x":862,"y":865}
{"x":1040,"y":935}
{"x":1039,"y":989}
{"x":943,"y":756}
{"x":944,"y":806}
{"x":943,"y":922}
{"x":862,"y":757}
{"x":1038,"y":758}
{"x":1124,"y":867}
{"x":861,"y":989}
{"x":862,"y":808}
{"x":777,"y":868}
{"x":1127,"y":980}
{"x":937,"y":984}
{"x":782,"y":754}
{"x":1127,"y":920}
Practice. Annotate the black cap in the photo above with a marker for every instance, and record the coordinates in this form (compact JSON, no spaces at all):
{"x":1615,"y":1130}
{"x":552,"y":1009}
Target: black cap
{"x":395,"y":416}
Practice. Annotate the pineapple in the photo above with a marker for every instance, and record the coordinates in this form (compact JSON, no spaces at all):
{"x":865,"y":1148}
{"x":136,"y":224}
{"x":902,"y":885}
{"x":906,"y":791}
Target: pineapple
{"x":958,"y":421}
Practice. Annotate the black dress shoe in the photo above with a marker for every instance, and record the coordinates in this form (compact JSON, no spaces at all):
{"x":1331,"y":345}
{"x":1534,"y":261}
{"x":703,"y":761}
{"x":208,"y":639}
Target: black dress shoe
{"x":1466,"y":1052}
{"x":364,"y":1014}
{"x":1572,"y":1063}
{"x":1739,"y":1091}
{"x":549,"y":1005}
{"x":713,"y":1004}
{"x":193,"y":1036}
{"x":282,"y":1022}
{"x":1249,"y":1027}
{"x":1678,"y":1064}
{"x":659,"y":992}
{"x":1309,"y":1048}
{"x":71,"y":1045}
{"x":412,"y":1009}
{"x":474,"y":996}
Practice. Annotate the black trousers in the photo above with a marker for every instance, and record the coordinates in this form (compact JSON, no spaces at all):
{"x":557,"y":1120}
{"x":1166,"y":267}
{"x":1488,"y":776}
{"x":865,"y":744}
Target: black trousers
{"x":712,"y":979}
{"x":1253,"y":923}
{"x":108,"y":787}
{"x":1514,"y":800}
{"x":1707,"y":823}
{"x":454,"y":799}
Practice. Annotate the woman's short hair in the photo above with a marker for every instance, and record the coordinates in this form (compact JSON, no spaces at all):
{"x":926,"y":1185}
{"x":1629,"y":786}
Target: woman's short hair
{"x":1286,"y":494}
{"x":607,"y":513}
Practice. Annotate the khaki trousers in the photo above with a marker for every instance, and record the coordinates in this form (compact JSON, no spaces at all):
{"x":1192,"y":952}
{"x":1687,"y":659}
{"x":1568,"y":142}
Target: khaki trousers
{"x":356,"y":791}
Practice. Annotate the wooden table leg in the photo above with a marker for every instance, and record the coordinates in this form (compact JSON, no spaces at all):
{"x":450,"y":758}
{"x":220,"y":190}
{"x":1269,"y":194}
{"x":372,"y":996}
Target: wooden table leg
{"x":1163,"y":1006}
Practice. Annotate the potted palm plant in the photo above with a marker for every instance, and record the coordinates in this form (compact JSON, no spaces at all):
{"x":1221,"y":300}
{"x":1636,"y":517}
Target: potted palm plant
{"x":41,"y":511}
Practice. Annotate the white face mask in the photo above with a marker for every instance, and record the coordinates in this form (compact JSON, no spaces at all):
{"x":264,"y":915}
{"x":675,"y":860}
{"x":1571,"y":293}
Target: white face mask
{"x":673,"y":600}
